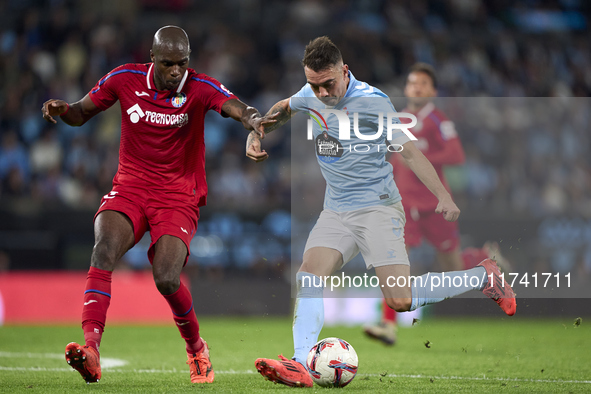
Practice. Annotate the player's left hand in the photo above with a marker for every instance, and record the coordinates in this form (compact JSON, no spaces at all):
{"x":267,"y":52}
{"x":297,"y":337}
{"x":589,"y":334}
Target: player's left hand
{"x":448,"y":208}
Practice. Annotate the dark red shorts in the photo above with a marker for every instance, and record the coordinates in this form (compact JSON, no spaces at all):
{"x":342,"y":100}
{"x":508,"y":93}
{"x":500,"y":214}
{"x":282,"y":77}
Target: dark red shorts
{"x":160,"y":213}
{"x":440,"y":233}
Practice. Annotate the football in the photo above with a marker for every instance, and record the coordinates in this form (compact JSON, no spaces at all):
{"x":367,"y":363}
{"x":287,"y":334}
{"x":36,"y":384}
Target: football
{"x":332,"y":362}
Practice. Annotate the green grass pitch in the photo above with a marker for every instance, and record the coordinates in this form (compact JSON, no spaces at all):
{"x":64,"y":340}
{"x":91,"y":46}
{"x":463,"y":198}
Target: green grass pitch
{"x":494,"y":355}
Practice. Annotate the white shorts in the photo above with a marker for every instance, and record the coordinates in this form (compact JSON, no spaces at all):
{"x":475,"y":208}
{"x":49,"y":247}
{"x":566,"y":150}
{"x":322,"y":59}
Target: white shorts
{"x":377,"y":232}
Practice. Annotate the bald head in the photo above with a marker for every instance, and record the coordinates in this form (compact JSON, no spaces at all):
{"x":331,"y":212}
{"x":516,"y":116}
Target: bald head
{"x":171,"y":39}
{"x":170,"y":55}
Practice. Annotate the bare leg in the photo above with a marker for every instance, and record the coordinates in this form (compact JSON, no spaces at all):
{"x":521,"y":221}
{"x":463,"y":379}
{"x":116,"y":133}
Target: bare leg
{"x":113,"y":237}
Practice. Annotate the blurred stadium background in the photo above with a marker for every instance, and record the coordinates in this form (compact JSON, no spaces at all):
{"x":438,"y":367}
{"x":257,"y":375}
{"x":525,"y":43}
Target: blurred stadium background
{"x":526,"y":183}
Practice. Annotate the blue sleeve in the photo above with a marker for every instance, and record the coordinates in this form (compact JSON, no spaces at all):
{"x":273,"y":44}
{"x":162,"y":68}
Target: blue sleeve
{"x":300,"y":100}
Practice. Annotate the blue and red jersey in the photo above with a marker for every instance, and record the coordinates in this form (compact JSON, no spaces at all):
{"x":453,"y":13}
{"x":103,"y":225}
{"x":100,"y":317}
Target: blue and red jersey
{"x":162,"y":143}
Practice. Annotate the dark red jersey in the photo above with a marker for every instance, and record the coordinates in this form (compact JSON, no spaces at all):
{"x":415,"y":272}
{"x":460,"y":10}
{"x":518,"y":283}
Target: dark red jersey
{"x":162,"y":144}
{"x":438,"y":140}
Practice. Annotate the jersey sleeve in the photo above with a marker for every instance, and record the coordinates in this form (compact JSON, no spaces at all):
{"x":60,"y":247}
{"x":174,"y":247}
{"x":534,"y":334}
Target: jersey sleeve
{"x":212,"y":93}
{"x":300,"y":101}
{"x":105,"y":92}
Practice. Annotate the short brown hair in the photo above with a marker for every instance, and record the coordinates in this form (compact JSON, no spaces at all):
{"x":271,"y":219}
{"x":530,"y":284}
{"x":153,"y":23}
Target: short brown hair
{"x":321,"y":53}
{"x":424,"y":68}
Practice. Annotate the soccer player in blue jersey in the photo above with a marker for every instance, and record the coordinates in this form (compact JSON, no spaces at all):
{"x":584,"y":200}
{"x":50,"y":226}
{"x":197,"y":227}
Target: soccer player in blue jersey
{"x":362,"y":207}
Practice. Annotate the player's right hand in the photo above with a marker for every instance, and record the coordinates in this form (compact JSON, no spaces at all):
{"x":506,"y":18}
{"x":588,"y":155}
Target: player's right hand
{"x":53,"y":108}
{"x":448,"y":208}
{"x":253,"y":148}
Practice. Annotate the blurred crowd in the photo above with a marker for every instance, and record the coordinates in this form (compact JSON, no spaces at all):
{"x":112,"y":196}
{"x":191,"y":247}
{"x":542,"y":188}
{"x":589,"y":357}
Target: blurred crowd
{"x":525,"y":156}
{"x":501,"y":48}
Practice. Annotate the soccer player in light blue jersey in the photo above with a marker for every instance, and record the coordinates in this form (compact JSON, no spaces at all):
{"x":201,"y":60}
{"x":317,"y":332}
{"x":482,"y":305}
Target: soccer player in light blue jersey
{"x":362,"y":207}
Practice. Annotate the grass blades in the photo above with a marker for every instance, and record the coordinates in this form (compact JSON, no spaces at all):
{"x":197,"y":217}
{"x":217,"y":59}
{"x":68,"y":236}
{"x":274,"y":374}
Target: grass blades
{"x":471,"y":355}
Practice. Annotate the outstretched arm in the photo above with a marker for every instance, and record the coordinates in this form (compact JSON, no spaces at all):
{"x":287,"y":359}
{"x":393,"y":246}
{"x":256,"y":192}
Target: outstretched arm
{"x":423,"y":169}
{"x":277,"y":116}
{"x":73,"y":114}
{"x":249,"y":116}
{"x":281,"y":113}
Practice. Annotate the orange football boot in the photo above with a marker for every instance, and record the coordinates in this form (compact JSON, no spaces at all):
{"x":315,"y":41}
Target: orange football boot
{"x":287,"y":372}
{"x":498,"y":289}
{"x":84,"y":359}
{"x":201,"y":370}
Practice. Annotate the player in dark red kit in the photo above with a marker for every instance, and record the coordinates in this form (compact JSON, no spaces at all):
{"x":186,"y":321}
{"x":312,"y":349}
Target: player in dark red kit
{"x":438,"y":140}
{"x":159,"y":186}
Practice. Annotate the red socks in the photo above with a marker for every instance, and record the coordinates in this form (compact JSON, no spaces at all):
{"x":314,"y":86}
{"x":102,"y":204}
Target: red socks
{"x":97,"y":298}
{"x":181,"y":304}
{"x":388,"y":314}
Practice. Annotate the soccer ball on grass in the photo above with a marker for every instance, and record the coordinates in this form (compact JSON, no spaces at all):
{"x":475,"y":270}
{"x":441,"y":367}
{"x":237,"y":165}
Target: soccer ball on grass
{"x":332,"y":362}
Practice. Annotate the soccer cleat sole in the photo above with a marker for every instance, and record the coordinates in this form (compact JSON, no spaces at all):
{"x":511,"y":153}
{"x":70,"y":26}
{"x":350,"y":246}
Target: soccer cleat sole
{"x":506,"y":301}
{"x":76,"y":357}
{"x":509,"y":308}
{"x":270,"y":373}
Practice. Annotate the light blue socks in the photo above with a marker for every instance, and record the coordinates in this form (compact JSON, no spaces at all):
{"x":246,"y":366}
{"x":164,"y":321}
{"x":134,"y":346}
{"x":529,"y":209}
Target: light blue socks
{"x":434,"y":287}
{"x":308,"y":316}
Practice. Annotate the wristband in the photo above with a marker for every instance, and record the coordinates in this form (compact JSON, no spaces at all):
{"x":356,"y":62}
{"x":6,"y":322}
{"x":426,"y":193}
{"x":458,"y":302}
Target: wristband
{"x":67,"y":109}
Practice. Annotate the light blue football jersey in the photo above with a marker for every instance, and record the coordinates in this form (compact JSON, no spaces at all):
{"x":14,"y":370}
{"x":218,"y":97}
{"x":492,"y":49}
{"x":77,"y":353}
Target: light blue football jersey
{"x":356,"y":171}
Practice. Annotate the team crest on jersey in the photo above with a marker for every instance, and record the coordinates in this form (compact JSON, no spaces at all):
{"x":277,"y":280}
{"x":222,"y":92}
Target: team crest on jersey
{"x":178,"y":100}
{"x":328,"y":148}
